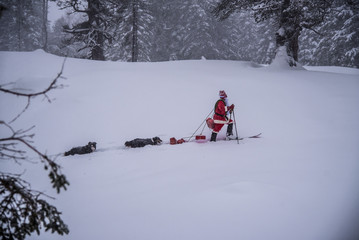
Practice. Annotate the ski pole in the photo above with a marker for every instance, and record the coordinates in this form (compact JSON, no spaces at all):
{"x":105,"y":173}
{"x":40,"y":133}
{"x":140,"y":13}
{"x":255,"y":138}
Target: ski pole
{"x":235,"y":125}
{"x":200,"y":125}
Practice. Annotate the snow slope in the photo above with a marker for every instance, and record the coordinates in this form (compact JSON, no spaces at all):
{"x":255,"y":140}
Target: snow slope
{"x":299,"y":181}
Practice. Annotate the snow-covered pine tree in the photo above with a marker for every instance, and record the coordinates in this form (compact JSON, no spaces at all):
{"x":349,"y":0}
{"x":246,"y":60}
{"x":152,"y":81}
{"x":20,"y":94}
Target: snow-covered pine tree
{"x":21,"y":25}
{"x":142,"y":37}
{"x":227,"y":36}
{"x":266,"y":43}
{"x":133,"y":31}
{"x":347,"y":36}
{"x":193,"y":32}
{"x":291,"y":17}
{"x":166,"y":12}
{"x":255,"y":41}
{"x":222,"y":36}
{"x":336,"y":41}
{"x":188,"y":31}
{"x":92,"y":32}
{"x":62,"y":43}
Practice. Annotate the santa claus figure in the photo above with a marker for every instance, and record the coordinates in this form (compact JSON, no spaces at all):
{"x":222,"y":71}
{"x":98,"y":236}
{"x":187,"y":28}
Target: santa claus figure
{"x":220,"y":117}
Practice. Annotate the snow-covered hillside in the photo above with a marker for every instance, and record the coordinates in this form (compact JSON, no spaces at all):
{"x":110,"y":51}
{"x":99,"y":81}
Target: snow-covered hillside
{"x":300,"y":181}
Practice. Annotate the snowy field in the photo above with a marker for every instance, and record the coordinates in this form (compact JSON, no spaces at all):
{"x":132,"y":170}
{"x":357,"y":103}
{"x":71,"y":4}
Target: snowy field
{"x":300,"y":181}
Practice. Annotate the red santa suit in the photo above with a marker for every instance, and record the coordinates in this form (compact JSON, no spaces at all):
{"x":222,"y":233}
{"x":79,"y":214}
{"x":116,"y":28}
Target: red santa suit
{"x":220,"y":115}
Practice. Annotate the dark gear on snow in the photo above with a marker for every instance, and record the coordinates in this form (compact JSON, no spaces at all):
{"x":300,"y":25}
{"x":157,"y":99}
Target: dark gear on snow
{"x":174,"y":141}
{"x":230,"y":129}
{"x":89,"y":148}
{"x":213,"y":137}
{"x":141,"y":142}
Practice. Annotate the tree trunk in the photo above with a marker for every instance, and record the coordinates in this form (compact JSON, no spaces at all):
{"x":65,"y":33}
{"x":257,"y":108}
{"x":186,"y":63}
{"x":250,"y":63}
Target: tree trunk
{"x":19,"y":24}
{"x":97,"y":39}
{"x":289,"y":31}
{"x":293,"y":46}
{"x":97,"y":50}
{"x":134,"y":31}
{"x":44,"y":22}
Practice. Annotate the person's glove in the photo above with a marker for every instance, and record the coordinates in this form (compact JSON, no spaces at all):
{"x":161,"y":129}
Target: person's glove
{"x":230,"y":108}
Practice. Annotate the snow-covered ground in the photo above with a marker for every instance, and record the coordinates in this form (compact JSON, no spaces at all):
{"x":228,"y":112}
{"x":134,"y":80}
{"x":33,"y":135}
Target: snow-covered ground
{"x":300,"y":181}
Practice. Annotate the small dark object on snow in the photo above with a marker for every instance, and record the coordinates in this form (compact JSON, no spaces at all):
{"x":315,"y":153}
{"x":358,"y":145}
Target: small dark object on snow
{"x":200,"y":137}
{"x":174,"y":141}
{"x":89,"y":148}
{"x":180,"y":141}
{"x":141,"y":142}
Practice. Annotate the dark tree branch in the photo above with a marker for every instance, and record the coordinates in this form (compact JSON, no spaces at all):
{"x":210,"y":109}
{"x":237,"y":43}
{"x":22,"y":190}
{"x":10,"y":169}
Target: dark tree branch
{"x":30,"y":95}
{"x":311,"y":29}
{"x":8,"y":147}
{"x":24,"y":212}
{"x":24,"y":110}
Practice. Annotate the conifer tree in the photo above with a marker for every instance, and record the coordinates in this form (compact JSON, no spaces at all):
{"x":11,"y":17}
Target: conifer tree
{"x":336,"y":41}
{"x":92,"y":31}
{"x":291,"y":17}
{"x":21,"y":25}
{"x":133,"y":30}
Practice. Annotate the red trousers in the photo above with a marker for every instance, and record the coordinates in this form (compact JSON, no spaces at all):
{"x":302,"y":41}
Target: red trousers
{"x":218,"y":126}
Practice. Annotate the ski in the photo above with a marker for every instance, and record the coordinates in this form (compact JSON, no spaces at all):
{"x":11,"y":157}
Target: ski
{"x":242,"y":138}
{"x":224,"y":139}
{"x":254,"y":136}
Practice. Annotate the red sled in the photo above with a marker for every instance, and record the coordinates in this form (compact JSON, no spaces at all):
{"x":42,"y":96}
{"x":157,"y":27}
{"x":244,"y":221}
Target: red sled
{"x":173,"y":141}
{"x":210,"y":123}
{"x":180,"y":141}
{"x":200,"y":137}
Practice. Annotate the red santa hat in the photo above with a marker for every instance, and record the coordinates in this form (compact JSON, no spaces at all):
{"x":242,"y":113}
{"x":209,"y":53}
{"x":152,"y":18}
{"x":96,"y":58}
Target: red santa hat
{"x":222,"y":94}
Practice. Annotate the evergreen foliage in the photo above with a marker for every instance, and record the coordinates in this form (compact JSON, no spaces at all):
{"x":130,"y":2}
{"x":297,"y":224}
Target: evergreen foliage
{"x":291,"y":17}
{"x":92,"y":31}
{"x":133,"y":32}
{"x":24,"y":212}
{"x":336,"y":43}
{"x":321,"y":32}
{"x":21,"y":25}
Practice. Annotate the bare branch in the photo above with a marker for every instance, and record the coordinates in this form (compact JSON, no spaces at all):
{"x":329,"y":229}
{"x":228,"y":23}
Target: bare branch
{"x":9,"y":145}
{"x":30,"y":95}
{"x":9,"y":151}
{"x":315,"y":31}
{"x":22,"y":212}
{"x":24,"y":110}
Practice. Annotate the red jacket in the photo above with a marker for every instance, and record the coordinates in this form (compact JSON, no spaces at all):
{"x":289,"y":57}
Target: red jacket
{"x":220,"y":112}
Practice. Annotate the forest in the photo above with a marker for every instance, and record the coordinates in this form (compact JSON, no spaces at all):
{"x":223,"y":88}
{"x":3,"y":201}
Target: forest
{"x":297,"y":181}
{"x":165,"y":30}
